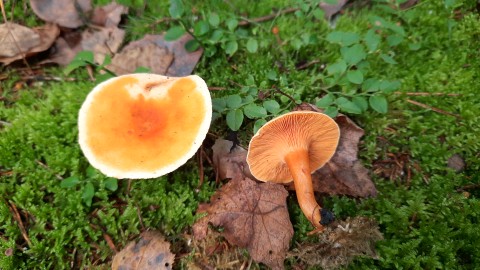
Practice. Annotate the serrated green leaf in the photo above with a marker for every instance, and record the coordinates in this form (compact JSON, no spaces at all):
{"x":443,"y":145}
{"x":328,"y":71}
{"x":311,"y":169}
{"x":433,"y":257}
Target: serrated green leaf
{"x":88,"y":193}
{"x":378,"y":103}
{"x":388,"y":59}
{"x":252,"y":45}
{"x":325,"y":101}
{"x":231,"y":23}
{"x":214,"y":19}
{"x":338,"y":67}
{"x":111,"y":184}
{"x":331,"y":111}
{"x":174,"y":33}
{"x":271,"y":106}
{"x":355,"y":76}
{"x":361,"y":102}
{"x":234,"y":101}
{"x":231,"y":47}
{"x":176,"y":9}
{"x":258,"y":124}
{"x":234,"y":119}
{"x":254,"y":111}
{"x":192,"y":45}
{"x":201,"y":28}
{"x":353,"y":55}
{"x":69,"y":182}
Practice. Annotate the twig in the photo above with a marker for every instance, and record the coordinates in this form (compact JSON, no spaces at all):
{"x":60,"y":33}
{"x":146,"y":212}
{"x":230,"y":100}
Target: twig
{"x":200,"y":168}
{"x":426,"y":94}
{"x":48,"y":169}
{"x":246,"y":21}
{"x":139,"y":214}
{"x":306,"y":65}
{"x":109,"y":241}
{"x":468,"y":187}
{"x":216,"y":88}
{"x":425,"y":106}
{"x":18,"y":219}
{"x":285,"y":94}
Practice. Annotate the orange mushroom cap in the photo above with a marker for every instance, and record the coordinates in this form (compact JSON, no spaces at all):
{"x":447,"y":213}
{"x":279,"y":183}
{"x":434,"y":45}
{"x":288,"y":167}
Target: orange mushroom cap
{"x":314,"y":132}
{"x":144,"y":125}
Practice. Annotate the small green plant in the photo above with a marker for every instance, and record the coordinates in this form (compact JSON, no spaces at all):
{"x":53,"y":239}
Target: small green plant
{"x":86,"y":58}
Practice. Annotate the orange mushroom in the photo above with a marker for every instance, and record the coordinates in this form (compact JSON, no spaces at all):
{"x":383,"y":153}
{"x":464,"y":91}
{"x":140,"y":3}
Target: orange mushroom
{"x":294,"y":145}
{"x":144,"y":125}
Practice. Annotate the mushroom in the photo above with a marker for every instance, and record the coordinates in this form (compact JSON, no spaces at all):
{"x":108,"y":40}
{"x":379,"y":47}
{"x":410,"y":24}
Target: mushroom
{"x":144,"y":125}
{"x":294,"y":145}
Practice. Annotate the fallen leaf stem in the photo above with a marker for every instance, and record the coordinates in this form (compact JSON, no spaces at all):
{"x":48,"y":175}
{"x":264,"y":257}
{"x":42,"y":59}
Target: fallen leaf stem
{"x":298,"y":163}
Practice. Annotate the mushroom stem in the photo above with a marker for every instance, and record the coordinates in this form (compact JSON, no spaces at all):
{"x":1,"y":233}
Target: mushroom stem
{"x":298,"y":164}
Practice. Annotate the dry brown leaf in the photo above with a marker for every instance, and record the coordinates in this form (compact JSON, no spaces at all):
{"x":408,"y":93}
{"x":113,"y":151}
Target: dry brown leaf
{"x":182,"y":64}
{"x":17,"y":41}
{"x":109,"y":15}
{"x":332,"y":9}
{"x":150,"y":251}
{"x":344,"y":173}
{"x":66,"y":13}
{"x":230,"y":163}
{"x":338,"y":245}
{"x":102,"y":42}
{"x":254,"y":216}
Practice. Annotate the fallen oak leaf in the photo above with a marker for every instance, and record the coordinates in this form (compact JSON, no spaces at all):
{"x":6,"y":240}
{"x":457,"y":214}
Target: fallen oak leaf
{"x":150,"y":251}
{"x":254,"y":216}
{"x":18,"y":41}
{"x":65,"y":13}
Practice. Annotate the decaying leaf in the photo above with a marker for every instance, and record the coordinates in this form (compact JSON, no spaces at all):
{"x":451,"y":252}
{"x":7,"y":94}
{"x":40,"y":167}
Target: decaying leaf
{"x":102,"y":42}
{"x":109,"y":15}
{"x":66,"y":13}
{"x":163,"y":57}
{"x":17,"y":41}
{"x":254,"y":216}
{"x":150,"y":251}
{"x":340,"y":244}
{"x":230,"y":163}
{"x":344,"y":173}
{"x":332,"y":9}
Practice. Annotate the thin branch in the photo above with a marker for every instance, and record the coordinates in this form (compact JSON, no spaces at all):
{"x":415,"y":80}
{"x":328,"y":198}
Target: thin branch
{"x":425,"y":106}
{"x":18,"y":219}
{"x":246,"y":21}
{"x":426,"y":94}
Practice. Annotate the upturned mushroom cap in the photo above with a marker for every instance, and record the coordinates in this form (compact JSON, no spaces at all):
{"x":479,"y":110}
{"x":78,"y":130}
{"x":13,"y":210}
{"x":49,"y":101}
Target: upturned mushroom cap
{"x":144,"y":125}
{"x":312,"y":131}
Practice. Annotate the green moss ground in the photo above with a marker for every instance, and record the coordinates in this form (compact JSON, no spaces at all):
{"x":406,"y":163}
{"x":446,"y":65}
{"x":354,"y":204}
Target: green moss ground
{"x":427,"y":223}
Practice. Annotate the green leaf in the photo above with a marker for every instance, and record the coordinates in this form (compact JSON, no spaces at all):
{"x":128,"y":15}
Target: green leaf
{"x":331,"y":111}
{"x":252,"y":45}
{"x":372,"y":40}
{"x":389,"y":86}
{"x":174,"y":33}
{"x":325,"y":101}
{"x":231,"y":23}
{"x":231,"y":47}
{"x":254,"y":111}
{"x":235,"y":119}
{"x":371,"y":85}
{"x":394,"y":40}
{"x":355,"y":76}
{"x":214,"y":19}
{"x":142,"y":70}
{"x":348,"y":106}
{"x":219,"y":104}
{"x":111,"y":184}
{"x":74,"y":65}
{"x":103,"y":77}
{"x":258,"y":124}
{"x":318,"y":13}
{"x":388,"y":59}
{"x":201,"y":28}
{"x":414,"y":46}
{"x":234,"y":101}
{"x":272,"y":75}
{"x":379,"y":103}
{"x":338,"y":67}
{"x":88,"y":193}
{"x":192,"y":45}
{"x":216,"y":36}
{"x":86,"y":56}
{"x":343,"y":38}
{"x":361,"y":102}
{"x":176,"y":9}
{"x":353,"y":55}
{"x":69,"y":182}
{"x":271,"y":106}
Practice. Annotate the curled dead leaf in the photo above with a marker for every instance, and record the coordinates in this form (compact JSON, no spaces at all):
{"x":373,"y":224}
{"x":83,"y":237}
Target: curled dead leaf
{"x":254,"y":216}
{"x":66,"y":13}
{"x":230,"y":163}
{"x":17,"y":41}
{"x":150,"y":251}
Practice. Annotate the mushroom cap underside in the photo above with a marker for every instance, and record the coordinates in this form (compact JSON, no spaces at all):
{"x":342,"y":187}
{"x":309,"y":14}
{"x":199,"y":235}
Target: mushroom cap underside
{"x":315,"y":132}
{"x":144,"y":125}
